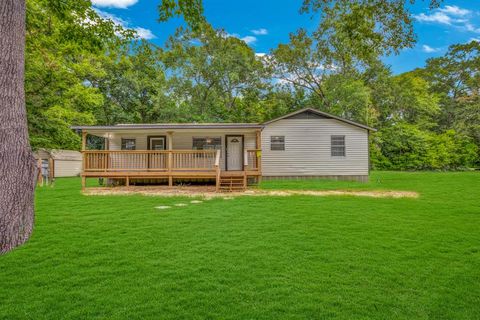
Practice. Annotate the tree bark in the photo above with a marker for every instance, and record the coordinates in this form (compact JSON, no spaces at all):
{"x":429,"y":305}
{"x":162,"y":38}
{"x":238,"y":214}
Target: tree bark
{"x":18,"y":169}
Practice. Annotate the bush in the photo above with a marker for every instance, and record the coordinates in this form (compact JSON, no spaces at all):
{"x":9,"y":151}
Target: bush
{"x":406,"y":147}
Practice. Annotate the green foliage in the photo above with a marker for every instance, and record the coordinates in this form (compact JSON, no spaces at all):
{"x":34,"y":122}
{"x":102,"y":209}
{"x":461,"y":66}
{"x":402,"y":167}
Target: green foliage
{"x":455,"y":77}
{"x":406,"y":147}
{"x":190,"y":10}
{"x":214,"y":77}
{"x":350,"y":98}
{"x":362,"y":30}
{"x":64,"y":46}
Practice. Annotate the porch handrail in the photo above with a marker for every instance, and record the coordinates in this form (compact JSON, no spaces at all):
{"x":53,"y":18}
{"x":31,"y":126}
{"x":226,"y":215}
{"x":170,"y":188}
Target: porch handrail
{"x":149,"y":151}
{"x":148,"y":160}
{"x":253,"y":159}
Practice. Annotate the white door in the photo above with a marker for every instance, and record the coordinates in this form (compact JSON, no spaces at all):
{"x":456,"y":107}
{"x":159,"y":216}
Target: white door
{"x":234,"y":153}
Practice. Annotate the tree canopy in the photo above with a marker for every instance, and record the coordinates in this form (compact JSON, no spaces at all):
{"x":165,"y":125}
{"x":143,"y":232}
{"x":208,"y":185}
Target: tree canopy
{"x":82,"y":69}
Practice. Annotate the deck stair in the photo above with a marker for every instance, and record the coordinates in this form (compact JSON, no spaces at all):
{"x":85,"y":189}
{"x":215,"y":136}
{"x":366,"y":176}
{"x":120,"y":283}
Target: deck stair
{"x":232,"y":182}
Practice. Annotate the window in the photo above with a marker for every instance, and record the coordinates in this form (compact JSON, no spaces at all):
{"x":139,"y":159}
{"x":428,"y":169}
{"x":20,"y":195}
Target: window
{"x":338,"y":146}
{"x":207,"y":143}
{"x":277,"y":143}
{"x":128,"y":144}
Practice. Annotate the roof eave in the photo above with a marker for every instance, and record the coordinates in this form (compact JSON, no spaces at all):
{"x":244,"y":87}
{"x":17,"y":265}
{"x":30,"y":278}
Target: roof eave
{"x":167,"y":127}
{"x":326,"y":114}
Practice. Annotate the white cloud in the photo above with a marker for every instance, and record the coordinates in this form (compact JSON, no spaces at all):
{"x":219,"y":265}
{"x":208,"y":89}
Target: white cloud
{"x":428,"y":49}
{"x":470,"y":27}
{"x":246,"y":39}
{"x":121,"y":4}
{"x":453,"y":16}
{"x":249,"y":39}
{"x":142,"y":33}
{"x":474,"y":39}
{"x":438,"y":17}
{"x":260,"y":54}
{"x":455,"y":11}
{"x":260,"y":32}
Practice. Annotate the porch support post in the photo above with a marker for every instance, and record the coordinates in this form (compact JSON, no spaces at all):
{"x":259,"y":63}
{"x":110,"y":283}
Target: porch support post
{"x":84,"y":147}
{"x":258,"y":145}
{"x":84,"y":140}
{"x":170,"y":156}
{"x":169,"y":140}
{"x":258,"y":140}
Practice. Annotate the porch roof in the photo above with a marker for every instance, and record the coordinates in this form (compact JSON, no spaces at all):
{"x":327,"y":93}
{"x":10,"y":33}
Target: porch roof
{"x":173,"y":126}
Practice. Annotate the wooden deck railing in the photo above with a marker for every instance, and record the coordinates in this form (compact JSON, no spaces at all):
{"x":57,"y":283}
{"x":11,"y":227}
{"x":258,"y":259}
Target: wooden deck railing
{"x":253,"y":159}
{"x":146,"y":160}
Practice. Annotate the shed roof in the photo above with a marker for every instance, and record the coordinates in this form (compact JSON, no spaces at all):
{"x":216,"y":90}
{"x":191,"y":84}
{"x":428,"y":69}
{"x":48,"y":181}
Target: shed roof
{"x":58,"y":154}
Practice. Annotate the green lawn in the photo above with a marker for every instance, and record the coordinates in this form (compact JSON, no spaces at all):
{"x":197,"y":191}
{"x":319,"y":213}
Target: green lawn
{"x":298,"y":257}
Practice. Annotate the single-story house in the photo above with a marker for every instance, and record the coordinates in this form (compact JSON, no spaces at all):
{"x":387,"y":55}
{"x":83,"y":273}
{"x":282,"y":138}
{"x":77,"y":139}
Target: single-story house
{"x":302,"y":144}
{"x":59,"y":163}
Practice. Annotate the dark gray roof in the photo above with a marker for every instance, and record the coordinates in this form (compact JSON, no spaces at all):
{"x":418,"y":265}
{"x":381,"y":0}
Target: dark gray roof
{"x":173,"y":126}
{"x":323,"y":114}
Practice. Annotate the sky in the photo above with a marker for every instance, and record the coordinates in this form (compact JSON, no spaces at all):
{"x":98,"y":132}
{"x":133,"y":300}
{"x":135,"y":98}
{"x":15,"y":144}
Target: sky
{"x":263,"y":24}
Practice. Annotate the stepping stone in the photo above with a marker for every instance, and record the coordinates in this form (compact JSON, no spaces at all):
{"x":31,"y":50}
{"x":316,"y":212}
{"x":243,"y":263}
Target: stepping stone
{"x":180,"y":205}
{"x":163,"y":207}
{"x":196,"y":201}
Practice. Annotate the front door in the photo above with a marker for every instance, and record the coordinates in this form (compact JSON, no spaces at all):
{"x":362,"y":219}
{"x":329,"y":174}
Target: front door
{"x":234,"y":152}
{"x":156,"y":143}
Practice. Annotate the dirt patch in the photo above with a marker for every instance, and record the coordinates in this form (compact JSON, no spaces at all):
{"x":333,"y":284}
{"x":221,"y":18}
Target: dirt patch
{"x":208,"y":192}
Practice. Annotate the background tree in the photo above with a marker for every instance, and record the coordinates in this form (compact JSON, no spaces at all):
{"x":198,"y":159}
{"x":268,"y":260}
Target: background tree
{"x":455,"y":77}
{"x":213,"y":76}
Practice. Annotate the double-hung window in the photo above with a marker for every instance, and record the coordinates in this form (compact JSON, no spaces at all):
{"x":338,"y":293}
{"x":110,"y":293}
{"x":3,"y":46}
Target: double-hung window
{"x":207,"y":143}
{"x":128,"y":144}
{"x":338,"y":146}
{"x":277,"y":143}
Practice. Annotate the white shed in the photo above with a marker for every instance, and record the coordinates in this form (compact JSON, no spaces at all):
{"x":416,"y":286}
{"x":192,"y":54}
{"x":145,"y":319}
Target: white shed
{"x":60,"y":163}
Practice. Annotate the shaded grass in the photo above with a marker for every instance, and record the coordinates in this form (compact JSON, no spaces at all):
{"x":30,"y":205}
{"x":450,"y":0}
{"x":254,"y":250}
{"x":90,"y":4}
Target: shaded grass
{"x":295,"y":257}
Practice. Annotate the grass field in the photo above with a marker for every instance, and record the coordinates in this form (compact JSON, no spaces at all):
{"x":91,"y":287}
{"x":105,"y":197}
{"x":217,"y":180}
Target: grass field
{"x":298,"y":257}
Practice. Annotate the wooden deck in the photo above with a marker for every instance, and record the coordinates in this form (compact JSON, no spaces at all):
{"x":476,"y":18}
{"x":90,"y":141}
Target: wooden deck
{"x":168,"y":164}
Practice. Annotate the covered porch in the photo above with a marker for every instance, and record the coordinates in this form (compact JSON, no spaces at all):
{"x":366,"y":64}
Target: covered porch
{"x":229,"y":155}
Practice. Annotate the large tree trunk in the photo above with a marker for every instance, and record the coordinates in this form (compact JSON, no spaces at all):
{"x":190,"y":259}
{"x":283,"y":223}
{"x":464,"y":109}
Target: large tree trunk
{"x":17,"y":165}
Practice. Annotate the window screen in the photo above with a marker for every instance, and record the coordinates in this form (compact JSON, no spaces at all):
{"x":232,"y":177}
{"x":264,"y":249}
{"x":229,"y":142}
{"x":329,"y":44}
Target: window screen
{"x":207,"y":143}
{"x":338,"y":146}
{"x":277,"y":143}
{"x":128,"y":144}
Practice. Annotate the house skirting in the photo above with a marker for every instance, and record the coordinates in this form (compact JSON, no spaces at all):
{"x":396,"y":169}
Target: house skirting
{"x":359,"y":178}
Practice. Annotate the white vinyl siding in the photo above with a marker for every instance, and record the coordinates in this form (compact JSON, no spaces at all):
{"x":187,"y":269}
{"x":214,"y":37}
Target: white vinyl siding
{"x":308,"y":148}
{"x":182,"y":140}
{"x":67,"y":168}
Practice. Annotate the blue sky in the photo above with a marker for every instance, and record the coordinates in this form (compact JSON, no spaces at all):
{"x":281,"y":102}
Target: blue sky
{"x":263,"y":24}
